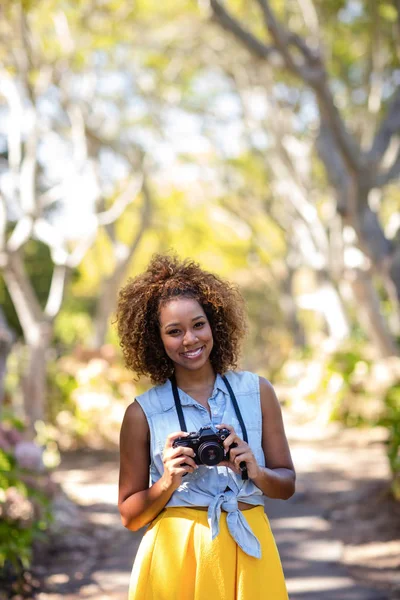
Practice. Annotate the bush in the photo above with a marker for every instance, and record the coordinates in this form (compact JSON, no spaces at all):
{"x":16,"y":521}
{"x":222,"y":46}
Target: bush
{"x":25,"y":499}
{"x":391,"y":420}
{"x":89,"y":391}
{"x":350,"y":386}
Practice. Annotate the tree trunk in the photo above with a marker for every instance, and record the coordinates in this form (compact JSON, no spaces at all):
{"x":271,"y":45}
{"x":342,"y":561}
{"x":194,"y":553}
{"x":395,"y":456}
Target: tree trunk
{"x":290,"y":310}
{"x":369,"y":313}
{"x":331,"y":306}
{"x":34,"y":380}
{"x":123,"y":255}
{"x":6,"y":340}
{"x":104,"y":309}
{"x":328,"y":302}
{"x":37,"y":331}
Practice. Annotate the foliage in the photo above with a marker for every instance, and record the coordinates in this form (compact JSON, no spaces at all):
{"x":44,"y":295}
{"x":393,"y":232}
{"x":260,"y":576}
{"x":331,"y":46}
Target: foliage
{"x":350,"y":387}
{"x":391,"y":420}
{"x":25,"y":497}
{"x":90,"y":392}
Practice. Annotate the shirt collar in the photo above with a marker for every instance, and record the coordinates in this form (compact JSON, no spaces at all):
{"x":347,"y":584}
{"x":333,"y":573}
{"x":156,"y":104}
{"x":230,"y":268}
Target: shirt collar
{"x":220,"y":385}
{"x":186,"y":400}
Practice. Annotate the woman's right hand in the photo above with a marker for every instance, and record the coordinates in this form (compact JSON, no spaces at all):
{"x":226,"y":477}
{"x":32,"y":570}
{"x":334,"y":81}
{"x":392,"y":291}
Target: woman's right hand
{"x":177,"y":461}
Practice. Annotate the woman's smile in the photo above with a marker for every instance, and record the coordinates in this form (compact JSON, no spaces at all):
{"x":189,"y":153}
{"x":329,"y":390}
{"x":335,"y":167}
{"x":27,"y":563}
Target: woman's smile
{"x":191,"y":354}
{"x":186,"y":333}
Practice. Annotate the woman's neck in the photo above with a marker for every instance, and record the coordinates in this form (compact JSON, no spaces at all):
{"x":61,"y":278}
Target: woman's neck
{"x":195,"y":380}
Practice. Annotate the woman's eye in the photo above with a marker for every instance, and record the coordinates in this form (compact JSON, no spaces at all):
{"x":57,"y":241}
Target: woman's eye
{"x":200,"y":324}
{"x":173,"y":331}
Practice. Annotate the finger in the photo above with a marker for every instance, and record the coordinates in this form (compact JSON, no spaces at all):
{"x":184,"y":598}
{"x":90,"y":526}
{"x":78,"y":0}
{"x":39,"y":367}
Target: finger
{"x":178,"y":451}
{"x":225,"y":426}
{"x":246,"y":457}
{"x":233,"y":438}
{"x":180,"y":460}
{"x":173,"y":436}
{"x":183,"y":470}
{"x":239,"y":449}
{"x":231,"y":465}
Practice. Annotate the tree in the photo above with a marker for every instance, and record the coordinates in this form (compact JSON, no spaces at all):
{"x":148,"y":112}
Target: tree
{"x":360,"y":161}
{"x":6,"y":339}
{"x":46,"y":107}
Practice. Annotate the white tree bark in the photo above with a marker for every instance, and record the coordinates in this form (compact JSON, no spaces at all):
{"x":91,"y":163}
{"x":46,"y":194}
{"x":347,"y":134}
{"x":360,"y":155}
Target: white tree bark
{"x":24,"y":212}
{"x":123,"y":254}
{"x":369,"y":313}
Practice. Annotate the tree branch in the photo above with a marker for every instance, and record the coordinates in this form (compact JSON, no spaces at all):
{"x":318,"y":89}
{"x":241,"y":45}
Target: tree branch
{"x":397,"y":7}
{"x":56,"y":292}
{"x":76,"y":256}
{"x":311,"y":71}
{"x":335,"y":168}
{"x":122,"y":201}
{"x":229,"y":23}
{"x":393,"y":172}
{"x":3,"y":223}
{"x":310,"y":17}
{"x":123,"y":254}
{"x":389,"y":127}
{"x":21,"y":233}
{"x":49,"y":235}
{"x":23,"y":296}
{"x":10,"y":92}
{"x":28,"y":169}
{"x":280,"y":37}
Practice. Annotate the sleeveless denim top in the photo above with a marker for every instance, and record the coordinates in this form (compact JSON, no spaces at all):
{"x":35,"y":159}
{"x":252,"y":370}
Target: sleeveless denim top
{"x":214,"y":487}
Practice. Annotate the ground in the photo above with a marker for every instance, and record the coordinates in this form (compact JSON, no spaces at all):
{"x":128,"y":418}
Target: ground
{"x":339,"y":536}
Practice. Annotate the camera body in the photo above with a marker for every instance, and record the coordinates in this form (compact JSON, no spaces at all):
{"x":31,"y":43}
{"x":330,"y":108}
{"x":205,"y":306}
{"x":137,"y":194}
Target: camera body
{"x":207,"y":444}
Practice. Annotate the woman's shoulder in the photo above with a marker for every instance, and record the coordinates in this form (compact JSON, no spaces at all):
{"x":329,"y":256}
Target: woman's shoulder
{"x":243,"y":381}
{"x":155,"y":398}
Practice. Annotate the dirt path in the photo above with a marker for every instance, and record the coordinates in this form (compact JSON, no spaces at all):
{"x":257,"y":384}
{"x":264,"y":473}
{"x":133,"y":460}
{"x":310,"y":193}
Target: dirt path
{"x":331,"y":545}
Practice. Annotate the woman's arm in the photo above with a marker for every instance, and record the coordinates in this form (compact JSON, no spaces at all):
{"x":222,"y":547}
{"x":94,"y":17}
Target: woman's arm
{"x":138,"y":503}
{"x":277,"y":479}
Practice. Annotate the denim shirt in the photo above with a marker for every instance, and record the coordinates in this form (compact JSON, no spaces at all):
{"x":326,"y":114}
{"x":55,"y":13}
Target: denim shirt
{"x":217,"y":488}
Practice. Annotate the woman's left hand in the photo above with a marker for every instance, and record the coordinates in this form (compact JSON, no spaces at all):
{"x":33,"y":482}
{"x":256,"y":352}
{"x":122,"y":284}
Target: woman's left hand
{"x":242,"y":452}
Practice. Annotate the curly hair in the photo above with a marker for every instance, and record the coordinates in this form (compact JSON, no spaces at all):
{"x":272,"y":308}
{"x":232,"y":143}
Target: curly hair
{"x":166,"y":278}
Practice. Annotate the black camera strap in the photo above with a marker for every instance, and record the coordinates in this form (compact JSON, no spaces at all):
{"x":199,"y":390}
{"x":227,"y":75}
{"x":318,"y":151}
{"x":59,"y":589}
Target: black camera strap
{"x":182,"y":421}
{"x":181,"y":417}
{"x":237,"y":409}
{"x":178,"y":404}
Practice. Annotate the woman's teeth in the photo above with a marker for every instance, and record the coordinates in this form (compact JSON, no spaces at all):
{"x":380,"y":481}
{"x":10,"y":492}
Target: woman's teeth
{"x":193,"y":354}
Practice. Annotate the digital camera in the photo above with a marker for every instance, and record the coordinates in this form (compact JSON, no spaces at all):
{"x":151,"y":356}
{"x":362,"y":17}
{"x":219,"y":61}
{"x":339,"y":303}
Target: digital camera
{"x":207,"y":444}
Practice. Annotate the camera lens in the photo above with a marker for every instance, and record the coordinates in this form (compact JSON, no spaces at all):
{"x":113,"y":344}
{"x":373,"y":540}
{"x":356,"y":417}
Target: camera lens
{"x":210,"y":453}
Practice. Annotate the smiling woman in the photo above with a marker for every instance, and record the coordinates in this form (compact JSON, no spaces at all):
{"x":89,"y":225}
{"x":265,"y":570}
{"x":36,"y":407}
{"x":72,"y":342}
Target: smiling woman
{"x":167,"y":279}
{"x":186,"y":334}
{"x":207,"y":532}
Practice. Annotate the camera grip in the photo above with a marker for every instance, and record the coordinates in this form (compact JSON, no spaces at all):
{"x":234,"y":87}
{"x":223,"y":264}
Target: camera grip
{"x":243,"y":469}
{"x":242,"y":464}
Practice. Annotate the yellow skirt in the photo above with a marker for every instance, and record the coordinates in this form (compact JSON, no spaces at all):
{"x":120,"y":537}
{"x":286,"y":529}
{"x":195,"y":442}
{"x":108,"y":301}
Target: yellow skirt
{"x":177,"y":560}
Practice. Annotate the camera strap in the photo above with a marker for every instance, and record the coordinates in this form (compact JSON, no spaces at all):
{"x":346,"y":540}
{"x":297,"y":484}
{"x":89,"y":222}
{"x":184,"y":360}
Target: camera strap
{"x":178,"y":404}
{"x":237,"y":409}
{"x":181,"y":417}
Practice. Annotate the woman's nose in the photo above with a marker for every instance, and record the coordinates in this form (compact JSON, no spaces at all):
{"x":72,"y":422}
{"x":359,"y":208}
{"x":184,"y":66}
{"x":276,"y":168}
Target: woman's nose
{"x":189,"y":338}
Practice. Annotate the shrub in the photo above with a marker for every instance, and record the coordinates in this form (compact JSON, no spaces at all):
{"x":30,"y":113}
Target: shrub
{"x":391,"y":420}
{"x":25,"y":499}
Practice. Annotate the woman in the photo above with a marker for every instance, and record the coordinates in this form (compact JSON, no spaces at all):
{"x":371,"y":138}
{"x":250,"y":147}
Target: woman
{"x":207,"y":535}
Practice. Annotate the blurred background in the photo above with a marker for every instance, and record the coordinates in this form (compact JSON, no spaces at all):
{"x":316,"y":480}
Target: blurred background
{"x":260,"y":138}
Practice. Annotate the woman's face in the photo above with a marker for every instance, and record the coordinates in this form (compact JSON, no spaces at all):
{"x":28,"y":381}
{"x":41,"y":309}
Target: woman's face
{"x":186,"y":333}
